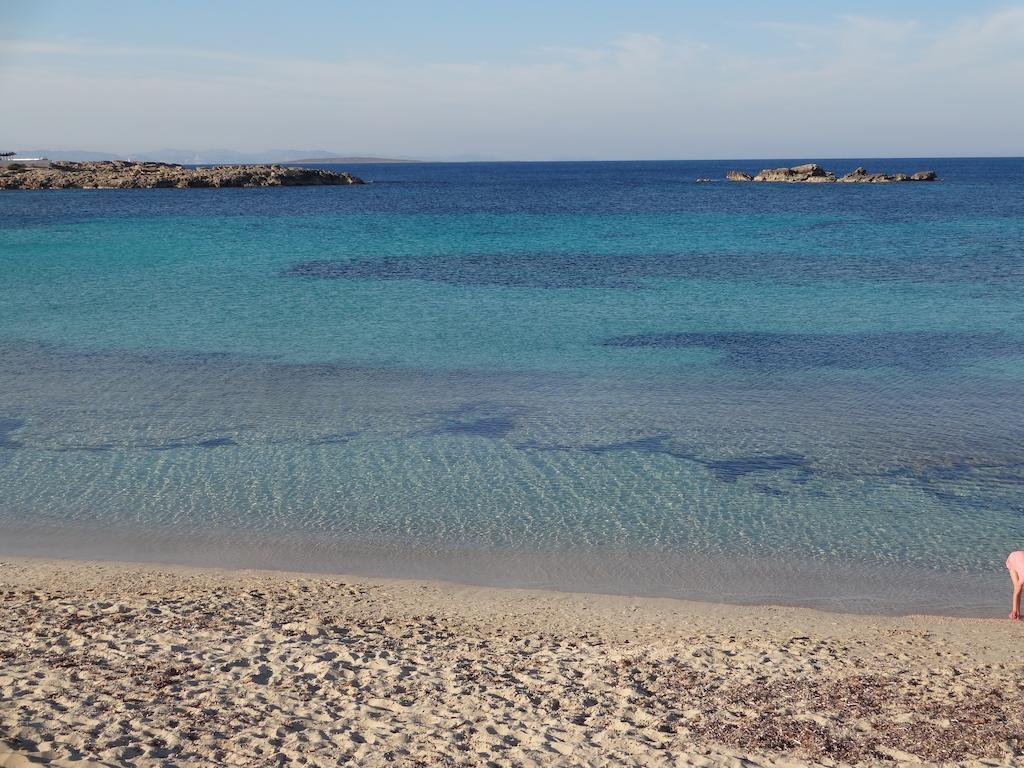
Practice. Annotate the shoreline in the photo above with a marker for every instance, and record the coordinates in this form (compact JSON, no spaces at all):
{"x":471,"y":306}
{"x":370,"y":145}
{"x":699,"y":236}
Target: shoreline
{"x":112,"y":661}
{"x":741,"y":580}
{"x":126,"y":174}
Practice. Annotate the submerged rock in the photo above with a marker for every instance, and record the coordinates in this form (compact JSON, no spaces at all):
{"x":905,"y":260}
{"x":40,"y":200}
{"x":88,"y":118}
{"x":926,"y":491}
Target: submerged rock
{"x":122,"y":174}
{"x":812,"y":173}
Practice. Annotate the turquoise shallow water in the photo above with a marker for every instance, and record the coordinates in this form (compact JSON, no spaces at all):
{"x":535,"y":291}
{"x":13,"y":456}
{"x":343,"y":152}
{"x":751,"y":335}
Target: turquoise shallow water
{"x":590,"y":376}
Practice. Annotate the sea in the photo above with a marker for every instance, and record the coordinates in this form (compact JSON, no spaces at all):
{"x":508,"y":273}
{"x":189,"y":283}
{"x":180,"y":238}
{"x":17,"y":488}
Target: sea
{"x":584,"y":376}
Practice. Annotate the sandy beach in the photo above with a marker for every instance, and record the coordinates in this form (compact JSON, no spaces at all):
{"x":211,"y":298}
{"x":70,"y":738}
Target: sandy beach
{"x":123,"y":664}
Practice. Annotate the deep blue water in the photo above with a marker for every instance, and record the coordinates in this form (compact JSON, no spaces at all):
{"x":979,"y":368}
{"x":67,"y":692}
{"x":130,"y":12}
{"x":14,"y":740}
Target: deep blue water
{"x":581,"y":375}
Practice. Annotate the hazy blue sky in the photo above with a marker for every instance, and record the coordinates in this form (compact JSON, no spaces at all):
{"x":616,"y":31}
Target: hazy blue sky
{"x":522,"y":80}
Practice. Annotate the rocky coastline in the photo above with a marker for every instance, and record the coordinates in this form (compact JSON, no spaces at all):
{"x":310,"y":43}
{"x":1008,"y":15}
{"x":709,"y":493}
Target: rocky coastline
{"x":121,"y":174}
{"x":812,"y":173}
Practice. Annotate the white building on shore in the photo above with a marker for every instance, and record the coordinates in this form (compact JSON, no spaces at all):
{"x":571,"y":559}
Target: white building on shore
{"x":8,"y":159}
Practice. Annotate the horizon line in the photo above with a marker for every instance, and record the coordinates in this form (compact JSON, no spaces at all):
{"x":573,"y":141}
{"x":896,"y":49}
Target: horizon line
{"x":369,"y":158}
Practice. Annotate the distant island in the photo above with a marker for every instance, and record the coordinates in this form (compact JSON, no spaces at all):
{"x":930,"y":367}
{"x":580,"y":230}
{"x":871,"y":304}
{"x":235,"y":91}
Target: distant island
{"x":812,"y":173}
{"x":354,"y":160}
{"x":123,"y":174}
{"x":276,"y":156}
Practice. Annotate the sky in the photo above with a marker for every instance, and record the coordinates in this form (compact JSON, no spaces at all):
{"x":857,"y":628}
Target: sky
{"x":524,"y":80}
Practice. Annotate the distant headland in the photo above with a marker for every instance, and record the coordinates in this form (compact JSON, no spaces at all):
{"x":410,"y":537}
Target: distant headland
{"x":123,"y":174}
{"x":354,"y":160}
{"x":218,"y":156}
{"x":812,"y":173}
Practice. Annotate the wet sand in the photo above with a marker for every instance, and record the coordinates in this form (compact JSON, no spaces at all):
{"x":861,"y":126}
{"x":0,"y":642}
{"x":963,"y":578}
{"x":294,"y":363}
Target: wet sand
{"x":124,"y":664}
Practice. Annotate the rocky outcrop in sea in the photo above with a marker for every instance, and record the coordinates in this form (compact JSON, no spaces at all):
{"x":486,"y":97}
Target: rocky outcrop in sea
{"x":121,"y":174}
{"x":812,"y":173}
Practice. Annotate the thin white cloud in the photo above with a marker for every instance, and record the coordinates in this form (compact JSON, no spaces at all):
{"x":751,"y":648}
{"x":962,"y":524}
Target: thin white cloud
{"x":856,"y":86}
{"x":979,"y":41}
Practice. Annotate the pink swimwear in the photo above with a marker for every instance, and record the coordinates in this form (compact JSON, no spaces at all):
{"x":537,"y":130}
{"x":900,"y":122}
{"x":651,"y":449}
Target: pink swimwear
{"x":1015,"y":562}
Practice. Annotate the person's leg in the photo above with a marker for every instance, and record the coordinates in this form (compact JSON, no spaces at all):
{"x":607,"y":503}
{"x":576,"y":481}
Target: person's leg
{"x":1015,"y":600}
